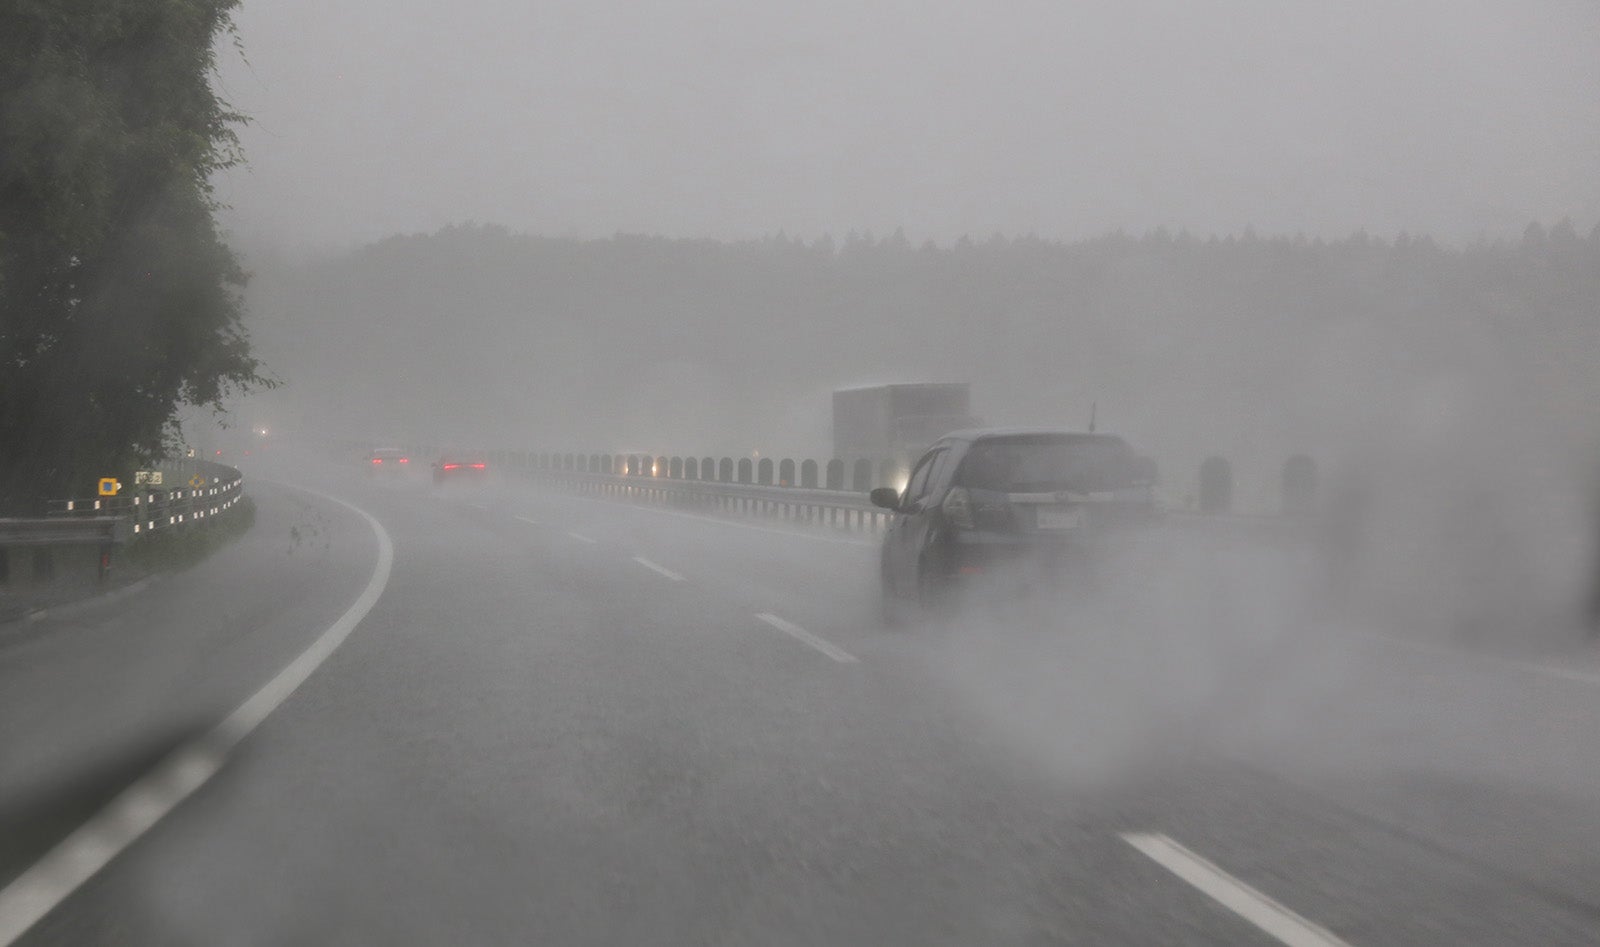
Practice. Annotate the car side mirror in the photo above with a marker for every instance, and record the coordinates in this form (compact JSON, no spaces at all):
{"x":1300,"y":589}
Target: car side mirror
{"x":886,"y":497}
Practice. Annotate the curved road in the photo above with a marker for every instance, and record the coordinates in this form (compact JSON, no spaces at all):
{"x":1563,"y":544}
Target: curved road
{"x":574,"y":721}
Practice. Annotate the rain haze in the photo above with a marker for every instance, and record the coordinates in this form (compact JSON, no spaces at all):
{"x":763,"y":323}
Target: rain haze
{"x":827,"y":473}
{"x":732,"y":120}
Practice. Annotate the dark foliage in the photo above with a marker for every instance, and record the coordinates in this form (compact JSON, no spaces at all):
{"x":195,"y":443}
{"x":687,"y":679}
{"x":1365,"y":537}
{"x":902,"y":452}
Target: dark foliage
{"x":119,"y":302}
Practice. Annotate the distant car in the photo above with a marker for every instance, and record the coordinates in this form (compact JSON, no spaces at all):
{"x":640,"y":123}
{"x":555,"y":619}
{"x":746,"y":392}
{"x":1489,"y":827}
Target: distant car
{"x":453,"y":468}
{"x":1007,"y":504}
{"x":387,"y":460}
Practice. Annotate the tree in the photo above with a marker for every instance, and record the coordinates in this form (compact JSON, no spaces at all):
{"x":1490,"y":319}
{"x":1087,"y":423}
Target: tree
{"x":119,"y":301}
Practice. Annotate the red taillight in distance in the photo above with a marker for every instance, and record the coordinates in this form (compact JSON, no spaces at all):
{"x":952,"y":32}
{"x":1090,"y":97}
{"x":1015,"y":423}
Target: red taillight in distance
{"x":377,"y":460}
{"x":480,"y":466}
{"x":451,"y":466}
{"x":405,"y":460}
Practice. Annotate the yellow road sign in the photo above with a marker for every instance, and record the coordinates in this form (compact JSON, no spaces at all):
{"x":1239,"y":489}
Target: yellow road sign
{"x":109,"y":486}
{"x":197,"y":481}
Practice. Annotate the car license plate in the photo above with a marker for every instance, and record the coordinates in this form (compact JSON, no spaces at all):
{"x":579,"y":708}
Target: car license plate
{"x":1058,"y":517}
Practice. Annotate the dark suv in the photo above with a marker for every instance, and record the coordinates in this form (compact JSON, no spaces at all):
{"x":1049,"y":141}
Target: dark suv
{"x":1008,"y":503}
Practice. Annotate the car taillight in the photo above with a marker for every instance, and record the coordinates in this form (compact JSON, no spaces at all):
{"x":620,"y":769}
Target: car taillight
{"x":479,"y":466}
{"x":377,"y":460}
{"x":451,"y":466}
{"x":405,"y":460}
{"x":958,"y":508}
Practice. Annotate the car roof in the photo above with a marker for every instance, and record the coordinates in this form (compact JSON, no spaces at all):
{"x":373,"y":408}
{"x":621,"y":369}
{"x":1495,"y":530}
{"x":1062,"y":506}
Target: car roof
{"x":979,"y":433}
{"x":387,"y":450}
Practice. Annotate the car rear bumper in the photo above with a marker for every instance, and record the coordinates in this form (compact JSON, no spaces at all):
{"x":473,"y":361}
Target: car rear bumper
{"x":1009,"y":564}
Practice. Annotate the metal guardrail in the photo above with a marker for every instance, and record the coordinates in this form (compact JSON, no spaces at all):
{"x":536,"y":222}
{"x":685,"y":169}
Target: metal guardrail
{"x":73,"y":544}
{"x":817,"y":492}
{"x":846,"y":509}
{"x":211,"y":489}
{"x":1213,"y":496}
{"x":837,"y":508}
{"x":88,"y":530}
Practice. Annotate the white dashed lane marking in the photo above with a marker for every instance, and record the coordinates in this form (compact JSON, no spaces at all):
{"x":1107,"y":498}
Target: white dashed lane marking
{"x":800,"y":634}
{"x":1279,"y":922}
{"x":581,"y":538}
{"x":653,"y":567}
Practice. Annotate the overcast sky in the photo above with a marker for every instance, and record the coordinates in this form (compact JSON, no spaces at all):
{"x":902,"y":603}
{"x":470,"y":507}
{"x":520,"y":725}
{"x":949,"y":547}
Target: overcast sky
{"x":1065,"y":118}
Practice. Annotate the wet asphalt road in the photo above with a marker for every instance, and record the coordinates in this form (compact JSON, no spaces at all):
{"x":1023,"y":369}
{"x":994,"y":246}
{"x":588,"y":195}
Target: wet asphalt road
{"x":575,"y":721}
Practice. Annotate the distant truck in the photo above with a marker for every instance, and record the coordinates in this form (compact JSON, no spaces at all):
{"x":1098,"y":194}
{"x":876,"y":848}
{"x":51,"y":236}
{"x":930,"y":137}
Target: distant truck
{"x":896,"y":423}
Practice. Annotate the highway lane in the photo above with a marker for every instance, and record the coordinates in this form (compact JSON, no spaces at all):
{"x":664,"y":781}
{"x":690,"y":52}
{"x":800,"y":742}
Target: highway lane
{"x":91,"y":697}
{"x":535,"y":735}
{"x":1487,"y":764}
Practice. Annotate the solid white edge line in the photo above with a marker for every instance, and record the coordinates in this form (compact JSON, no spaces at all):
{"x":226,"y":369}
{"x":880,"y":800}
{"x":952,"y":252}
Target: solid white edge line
{"x":581,"y":538}
{"x":526,"y":520}
{"x":653,"y":567}
{"x":75,"y":859}
{"x":800,"y":634}
{"x":1248,"y":903}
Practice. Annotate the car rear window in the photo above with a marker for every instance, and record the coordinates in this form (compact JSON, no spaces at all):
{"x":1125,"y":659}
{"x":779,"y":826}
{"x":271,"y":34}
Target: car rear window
{"x":1050,"y":462}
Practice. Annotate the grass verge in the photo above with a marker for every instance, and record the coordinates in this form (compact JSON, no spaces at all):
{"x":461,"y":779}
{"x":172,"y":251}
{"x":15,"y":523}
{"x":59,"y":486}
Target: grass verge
{"x":179,"y":549}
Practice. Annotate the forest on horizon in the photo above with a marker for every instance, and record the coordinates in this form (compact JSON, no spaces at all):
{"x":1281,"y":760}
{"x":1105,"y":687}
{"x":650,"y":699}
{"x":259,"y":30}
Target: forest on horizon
{"x":1253,"y":347}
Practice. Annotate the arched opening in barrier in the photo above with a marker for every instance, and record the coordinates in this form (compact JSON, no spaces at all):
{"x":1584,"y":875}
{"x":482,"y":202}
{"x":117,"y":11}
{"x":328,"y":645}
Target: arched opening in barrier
{"x":1216,"y":485}
{"x":691,"y":468}
{"x":605,"y":463}
{"x":745,"y":470}
{"x":725,"y":470}
{"x":708,"y":469}
{"x":1299,"y":484}
{"x":808,"y":474}
{"x":675,"y":468}
{"x":861,"y":476}
{"x":659,"y":467}
{"x":786,"y":472}
{"x":764,"y":472}
{"x":835,"y":476}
